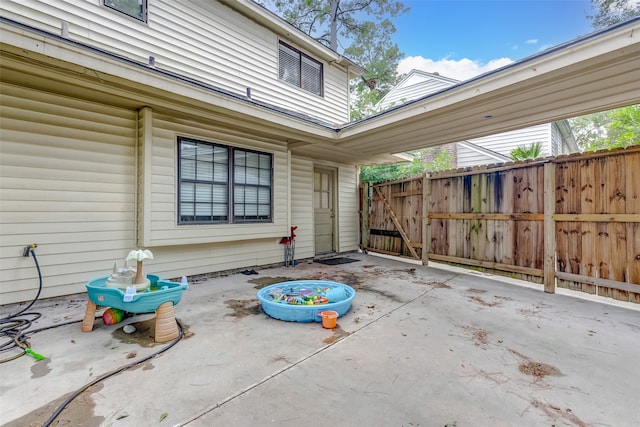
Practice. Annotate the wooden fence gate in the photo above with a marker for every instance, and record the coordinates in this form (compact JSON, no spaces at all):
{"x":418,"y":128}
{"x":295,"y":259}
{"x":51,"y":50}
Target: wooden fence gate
{"x":571,"y":221}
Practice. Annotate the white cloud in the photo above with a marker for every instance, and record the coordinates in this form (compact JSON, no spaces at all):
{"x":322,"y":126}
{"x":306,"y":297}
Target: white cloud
{"x":462,"y":69}
{"x":532,"y":41}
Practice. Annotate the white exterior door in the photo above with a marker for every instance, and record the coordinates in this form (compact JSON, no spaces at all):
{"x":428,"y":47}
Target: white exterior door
{"x":323,"y":209}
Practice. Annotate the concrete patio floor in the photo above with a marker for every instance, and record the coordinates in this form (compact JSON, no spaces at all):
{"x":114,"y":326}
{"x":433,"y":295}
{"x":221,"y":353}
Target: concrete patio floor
{"x":421,"y":346}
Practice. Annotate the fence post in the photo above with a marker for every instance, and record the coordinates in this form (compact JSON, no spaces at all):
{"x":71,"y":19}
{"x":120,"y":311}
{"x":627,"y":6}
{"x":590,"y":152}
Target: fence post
{"x":549,"y":227}
{"x":364,"y":215}
{"x":426,"y":231}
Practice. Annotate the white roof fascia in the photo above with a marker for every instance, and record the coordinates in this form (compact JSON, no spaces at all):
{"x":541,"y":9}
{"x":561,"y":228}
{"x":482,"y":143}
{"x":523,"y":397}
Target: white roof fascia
{"x":567,"y":135}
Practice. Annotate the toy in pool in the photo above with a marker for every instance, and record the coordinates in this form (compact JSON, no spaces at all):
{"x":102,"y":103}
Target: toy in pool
{"x":160,"y":298}
{"x":302,"y":300}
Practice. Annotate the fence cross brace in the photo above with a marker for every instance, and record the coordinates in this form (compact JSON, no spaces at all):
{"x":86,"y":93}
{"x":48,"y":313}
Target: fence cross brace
{"x":404,"y":236}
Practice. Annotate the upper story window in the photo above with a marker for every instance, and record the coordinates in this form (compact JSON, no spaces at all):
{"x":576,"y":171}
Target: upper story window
{"x":222,"y":184}
{"x":135,"y":8}
{"x":300,"y":69}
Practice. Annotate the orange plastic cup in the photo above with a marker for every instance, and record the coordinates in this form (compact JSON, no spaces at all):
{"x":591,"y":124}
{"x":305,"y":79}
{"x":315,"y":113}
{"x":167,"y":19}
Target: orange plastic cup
{"x":329,"y":319}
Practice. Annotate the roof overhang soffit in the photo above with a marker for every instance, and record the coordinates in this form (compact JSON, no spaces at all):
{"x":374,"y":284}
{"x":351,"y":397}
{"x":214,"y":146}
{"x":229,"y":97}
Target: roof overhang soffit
{"x":607,"y":63}
{"x":132,"y":84}
{"x":591,"y":74}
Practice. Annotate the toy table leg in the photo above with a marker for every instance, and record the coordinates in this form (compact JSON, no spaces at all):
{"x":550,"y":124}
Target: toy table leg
{"x":89,"y":317}
{"x":166,"y":326}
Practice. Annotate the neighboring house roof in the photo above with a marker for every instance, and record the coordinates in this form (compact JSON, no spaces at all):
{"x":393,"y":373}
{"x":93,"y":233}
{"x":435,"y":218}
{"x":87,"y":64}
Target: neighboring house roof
{"x":415,"y":84}
{"x":592,"y":73}
{"x":494,"y":155}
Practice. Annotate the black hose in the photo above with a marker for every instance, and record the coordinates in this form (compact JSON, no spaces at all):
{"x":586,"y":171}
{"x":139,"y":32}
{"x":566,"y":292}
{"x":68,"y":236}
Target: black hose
{"x":35,"y":259}
{"x":16,"y":328}
{"x":102,"y":377}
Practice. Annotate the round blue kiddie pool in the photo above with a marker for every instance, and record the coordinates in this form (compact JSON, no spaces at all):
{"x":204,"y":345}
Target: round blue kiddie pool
{"x":302,"y":300}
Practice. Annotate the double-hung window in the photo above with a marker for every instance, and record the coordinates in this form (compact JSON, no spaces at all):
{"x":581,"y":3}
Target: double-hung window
{"x":134,"y":8}
{"x":223,"y":184}
{"x":299,"y":69}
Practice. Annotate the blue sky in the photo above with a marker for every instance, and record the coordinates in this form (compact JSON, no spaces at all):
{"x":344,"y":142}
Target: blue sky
{"x":463,"y":38}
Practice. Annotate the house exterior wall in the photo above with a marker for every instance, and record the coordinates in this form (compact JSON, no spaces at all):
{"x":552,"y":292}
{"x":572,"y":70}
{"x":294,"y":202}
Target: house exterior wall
{"x":469,"y":157}
{"x":348,"y":219}
{"x":415,"y":85}
{"x":161,"y":228}
{"x":302,"y":206}
{"x":79,"y":179}
{"x":503,"y":143}
{"x":69,"y":185}
{"x":88,"y":181}
{"x":205,"y":40}
{"x":555,"y":138}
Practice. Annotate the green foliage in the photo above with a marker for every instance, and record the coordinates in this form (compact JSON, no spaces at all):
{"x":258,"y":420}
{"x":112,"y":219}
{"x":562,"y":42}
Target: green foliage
{"x":608,"y":129}
{"x":611,"y":12}
{"x":525,"y":152}
{"x":426,"y":160}
{"x":374,"y":50}
{"x":327,"y":20}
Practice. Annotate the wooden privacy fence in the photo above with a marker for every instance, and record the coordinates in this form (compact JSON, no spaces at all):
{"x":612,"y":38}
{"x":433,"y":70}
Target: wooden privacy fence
{"x":571,"y":221}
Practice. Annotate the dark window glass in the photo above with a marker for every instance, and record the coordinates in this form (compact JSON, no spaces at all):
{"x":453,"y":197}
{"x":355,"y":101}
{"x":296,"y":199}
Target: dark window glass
{"x":210,"y":175}
{"x":299,"y":69}
{"x":252,"y":186}
{"x":134,"y":8}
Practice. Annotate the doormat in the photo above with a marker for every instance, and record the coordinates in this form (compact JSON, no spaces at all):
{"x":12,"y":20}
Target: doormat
{"x":335,"y":261}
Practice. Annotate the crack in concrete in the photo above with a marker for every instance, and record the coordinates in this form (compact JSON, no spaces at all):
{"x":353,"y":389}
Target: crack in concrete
{"x":309,"y":356}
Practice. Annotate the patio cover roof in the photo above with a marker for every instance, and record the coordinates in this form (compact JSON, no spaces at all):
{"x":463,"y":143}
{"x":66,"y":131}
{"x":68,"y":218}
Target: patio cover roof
{"x":596,"y":72}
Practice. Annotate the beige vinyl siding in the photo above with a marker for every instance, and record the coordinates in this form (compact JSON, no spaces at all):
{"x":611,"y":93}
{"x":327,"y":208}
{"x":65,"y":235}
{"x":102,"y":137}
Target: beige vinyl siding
{"x":503,"y":143}
{"x":201,"y":39}
{"x":348,"y":223}
{"x":302,"y":206}
{"x":466,"y":156}
{"x":173,"y":262}
{"x":416,"y":85}
{"x":347,"y":206}
{"x":162,"y":229}
{"x":416,"y":90}
{"x":67,"y":184}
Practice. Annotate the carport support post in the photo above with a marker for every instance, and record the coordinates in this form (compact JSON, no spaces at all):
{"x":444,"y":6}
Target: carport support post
{"x":426,"y":231}
{"x":549,"y":227}
{"x":365,"y":198}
